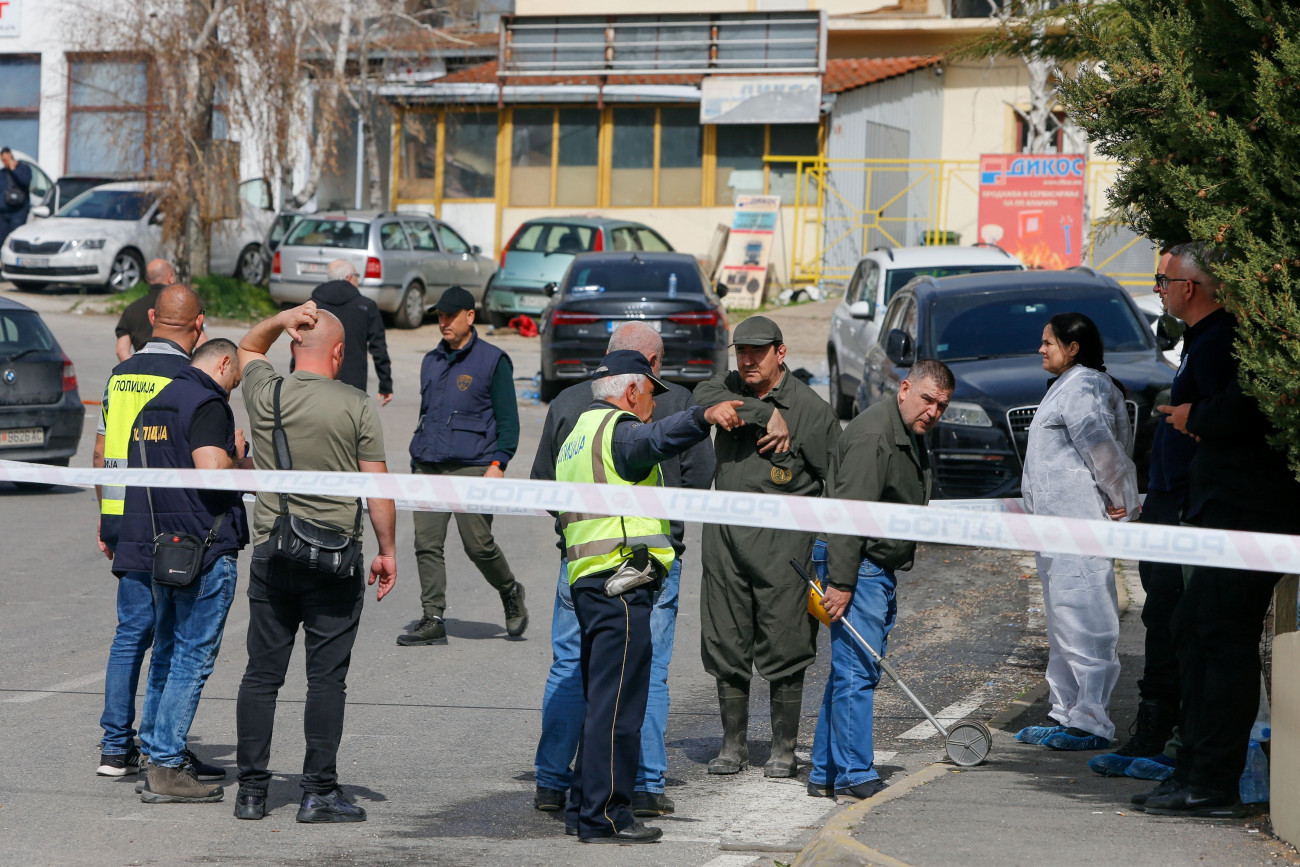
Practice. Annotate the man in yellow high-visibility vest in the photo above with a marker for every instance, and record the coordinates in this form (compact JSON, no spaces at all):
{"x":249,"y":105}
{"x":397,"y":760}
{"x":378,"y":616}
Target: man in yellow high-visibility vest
{"x":615,"y":562}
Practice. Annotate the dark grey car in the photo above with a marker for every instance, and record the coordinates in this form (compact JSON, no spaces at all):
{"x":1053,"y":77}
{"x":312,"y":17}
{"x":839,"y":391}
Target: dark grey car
{"x":41,"y":413}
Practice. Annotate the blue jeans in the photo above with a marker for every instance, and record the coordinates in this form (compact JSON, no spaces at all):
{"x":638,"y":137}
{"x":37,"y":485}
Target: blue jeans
{"x":188,"y":624}
{"x":843,"y":751}
{"x":564,"y":708}
{"x":133,"y":637}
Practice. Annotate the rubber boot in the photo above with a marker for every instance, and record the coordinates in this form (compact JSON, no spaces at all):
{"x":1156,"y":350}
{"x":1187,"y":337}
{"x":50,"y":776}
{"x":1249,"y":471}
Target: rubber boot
{"x":787,"y":702}
{"x":734,"y":754}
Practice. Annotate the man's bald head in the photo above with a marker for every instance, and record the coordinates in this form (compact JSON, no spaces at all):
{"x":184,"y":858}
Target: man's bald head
{"x":639,"y":337}
{"x":320,"y":348}
{"x":160,"y":272}
{"x":178,"y":315}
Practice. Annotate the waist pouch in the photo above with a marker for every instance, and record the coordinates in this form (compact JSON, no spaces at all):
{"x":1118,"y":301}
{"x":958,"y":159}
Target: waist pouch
{"x":328,"y":551}
{"x":177,"y":559}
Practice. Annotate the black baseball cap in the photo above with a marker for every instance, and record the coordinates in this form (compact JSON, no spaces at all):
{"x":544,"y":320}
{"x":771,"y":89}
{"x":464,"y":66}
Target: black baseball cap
{"x":756,"y":331}
{"x":454,"y":300}
{"x":628,"y":361}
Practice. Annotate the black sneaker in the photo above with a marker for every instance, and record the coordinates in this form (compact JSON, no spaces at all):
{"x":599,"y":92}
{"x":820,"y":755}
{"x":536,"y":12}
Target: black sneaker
{"x":516,"y":611}
{"x":202,"y":770}
{"x":652,"y":804}
{"x":820,"y":791}
{"x":119,"y":764}
{"x":250,"y":804}
{"x":548,"y":800}
{"x":862,"y":791}
{"x":430,"y":630}
{"x":329,"y":807}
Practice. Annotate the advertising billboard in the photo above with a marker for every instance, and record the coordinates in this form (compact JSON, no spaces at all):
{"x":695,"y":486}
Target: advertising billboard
{"x":749,"y":247}
{"x":1031,"y":205}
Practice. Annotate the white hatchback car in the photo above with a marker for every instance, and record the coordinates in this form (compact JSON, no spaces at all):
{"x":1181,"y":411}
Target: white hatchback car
{"x":855,"y":326}
{"x":105,"y":236}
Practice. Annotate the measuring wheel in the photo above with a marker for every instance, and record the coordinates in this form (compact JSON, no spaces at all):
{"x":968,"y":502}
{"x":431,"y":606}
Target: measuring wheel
{"x":969,"y":742}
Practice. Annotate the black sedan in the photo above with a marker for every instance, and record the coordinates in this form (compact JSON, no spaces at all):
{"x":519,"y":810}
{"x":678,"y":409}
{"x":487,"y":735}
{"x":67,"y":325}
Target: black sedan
{"x":40,"y":408}
{"x":601,"y":291}
{"x":987,"y":328}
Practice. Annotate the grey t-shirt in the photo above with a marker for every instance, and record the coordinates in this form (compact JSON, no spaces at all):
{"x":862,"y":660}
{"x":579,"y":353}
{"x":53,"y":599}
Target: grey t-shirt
{"x":330,"y":426}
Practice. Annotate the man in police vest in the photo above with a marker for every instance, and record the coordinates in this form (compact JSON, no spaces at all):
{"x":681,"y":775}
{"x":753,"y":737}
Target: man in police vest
{"x":615,"y":564}
{"x":177,"y":323}
{"x":469,"y":426}
{"x":188,"y":425}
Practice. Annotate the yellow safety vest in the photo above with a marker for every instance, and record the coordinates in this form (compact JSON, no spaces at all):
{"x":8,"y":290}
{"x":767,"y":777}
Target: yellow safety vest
{"x":601,"y":543}
{"x":127,"y":395}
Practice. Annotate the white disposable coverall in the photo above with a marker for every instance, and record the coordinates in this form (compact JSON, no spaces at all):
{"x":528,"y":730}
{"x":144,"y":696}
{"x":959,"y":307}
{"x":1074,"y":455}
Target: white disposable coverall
{"x":1077,"y":463}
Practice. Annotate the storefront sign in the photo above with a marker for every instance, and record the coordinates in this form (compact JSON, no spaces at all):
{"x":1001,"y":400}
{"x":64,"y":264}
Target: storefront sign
{"x":749,"y":246}
{"x":11,"y":18}
{"x":1031,"y":205}
{"x":735,"y":99}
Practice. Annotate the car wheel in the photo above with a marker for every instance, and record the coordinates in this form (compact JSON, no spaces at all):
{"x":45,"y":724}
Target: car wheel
{"x":411,"y":312}
{"x":28,"y":286}
{"x":550,"y":389}
{"x":251,"y":267}
{"x":126,"y":271}
{"x":840,"y":402}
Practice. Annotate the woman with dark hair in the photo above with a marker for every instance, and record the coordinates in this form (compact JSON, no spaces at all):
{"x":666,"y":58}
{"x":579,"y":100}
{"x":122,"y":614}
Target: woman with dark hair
{"x":1078,"y":465}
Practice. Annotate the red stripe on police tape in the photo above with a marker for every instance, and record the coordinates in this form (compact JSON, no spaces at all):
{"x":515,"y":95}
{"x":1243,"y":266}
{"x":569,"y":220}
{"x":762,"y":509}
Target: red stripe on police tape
{"x":986,"y":523}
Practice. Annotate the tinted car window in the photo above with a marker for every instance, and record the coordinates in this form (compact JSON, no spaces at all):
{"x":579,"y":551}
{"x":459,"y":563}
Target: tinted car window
{"x":421,"y":236}
{"x":621,"y":278}
{"x":108,"y":205}
{"x":348,"y":234}
{"x":391,"y":237}
{"x":554,"y":238}
{"x":899,"y":277}
{"x":994,"y":324}
{"x":22,"y":331}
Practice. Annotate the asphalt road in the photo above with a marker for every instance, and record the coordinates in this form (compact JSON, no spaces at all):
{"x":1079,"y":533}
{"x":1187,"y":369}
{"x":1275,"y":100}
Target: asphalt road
{"x":439,"y":741}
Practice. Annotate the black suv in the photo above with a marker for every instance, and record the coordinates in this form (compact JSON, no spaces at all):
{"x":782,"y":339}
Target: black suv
{"x":987,"y":328}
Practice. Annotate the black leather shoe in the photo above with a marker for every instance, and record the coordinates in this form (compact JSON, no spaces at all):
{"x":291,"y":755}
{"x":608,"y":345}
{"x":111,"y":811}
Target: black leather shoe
{"x":816,"y":791}
{"x":548,"y":800}
{"x":634,"y":833}
{"x":1166,"y":787}
{"x":862,"y":791}
{"x":250,"y":804}
{"x":318,"y":808}
{"x":570,"y":830}
{"x":1196,"y":801}
{"x":651,"y":804}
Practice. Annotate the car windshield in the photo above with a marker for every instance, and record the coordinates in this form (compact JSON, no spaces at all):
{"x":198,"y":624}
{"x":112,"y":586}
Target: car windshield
{"x":315,"y":232}
{"x":22,"y":331}
{"x":108,"y":205}
{"x":554,"y":238}
{"x":1001,"y":324}
{"x":899,"y":277}
{"x":633,"y":278}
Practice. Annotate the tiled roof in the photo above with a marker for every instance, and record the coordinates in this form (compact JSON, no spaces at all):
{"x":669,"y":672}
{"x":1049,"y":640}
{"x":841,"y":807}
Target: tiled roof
{"x":841,"y":74}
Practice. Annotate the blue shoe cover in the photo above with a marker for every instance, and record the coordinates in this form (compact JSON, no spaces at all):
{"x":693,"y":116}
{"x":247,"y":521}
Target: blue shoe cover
{"x":1035,"y":734}
{"x":1075,"y":740}
{"x":1110,"y":765}
{"x":1158,"y":768}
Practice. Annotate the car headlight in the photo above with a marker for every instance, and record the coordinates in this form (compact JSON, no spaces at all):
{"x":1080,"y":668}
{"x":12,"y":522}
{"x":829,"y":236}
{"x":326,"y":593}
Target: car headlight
{"x":968,"y":414}
{"x":94,"y":244}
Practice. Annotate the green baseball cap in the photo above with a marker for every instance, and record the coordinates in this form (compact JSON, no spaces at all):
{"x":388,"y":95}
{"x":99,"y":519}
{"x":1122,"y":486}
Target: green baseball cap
{"x":756,"y":331}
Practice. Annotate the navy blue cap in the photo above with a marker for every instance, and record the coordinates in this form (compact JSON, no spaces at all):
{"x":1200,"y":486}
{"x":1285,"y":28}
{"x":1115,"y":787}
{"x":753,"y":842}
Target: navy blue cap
{"x":628,"y":361}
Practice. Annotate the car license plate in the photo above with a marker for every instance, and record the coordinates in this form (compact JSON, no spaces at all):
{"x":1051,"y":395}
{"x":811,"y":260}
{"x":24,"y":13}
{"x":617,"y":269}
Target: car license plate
{"x":656,"y":324}
{"x":313,"y":267}
{"x":531,"y":302}
{"x":26,"y":436}
{"x":29,"y":262}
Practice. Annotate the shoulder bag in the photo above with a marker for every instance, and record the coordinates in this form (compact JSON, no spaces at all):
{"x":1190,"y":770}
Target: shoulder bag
{"x":177,"y":557}
{"x":15,"y":193}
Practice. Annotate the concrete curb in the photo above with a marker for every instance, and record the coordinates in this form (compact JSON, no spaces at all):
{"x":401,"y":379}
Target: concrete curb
{"x":834,"y":845}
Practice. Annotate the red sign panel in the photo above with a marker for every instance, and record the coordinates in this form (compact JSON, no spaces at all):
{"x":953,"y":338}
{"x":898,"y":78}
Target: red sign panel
{"x":1031,"y":205}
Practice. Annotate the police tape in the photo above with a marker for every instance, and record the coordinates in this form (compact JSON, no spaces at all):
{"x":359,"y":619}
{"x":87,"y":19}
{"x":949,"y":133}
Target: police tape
{"x":986,"y":523}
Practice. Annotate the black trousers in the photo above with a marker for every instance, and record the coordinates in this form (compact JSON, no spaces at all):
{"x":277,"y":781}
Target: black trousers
{"x":616,"y":650}
{"x":280,"y":599}
{"x":1163,"y":584}
{"x":1217,"y":628}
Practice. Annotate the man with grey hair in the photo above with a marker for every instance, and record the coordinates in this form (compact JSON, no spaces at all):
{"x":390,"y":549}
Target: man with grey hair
{"x":363,"y":328}
{"x":134,"y":328}
{"x":563,"y":704}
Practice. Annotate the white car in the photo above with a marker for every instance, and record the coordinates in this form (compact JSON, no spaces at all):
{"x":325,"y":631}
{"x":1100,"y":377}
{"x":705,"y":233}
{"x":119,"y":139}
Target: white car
{"x":855,"y":325}
{"x":105,"y":236}
{"x":1169,"y":334}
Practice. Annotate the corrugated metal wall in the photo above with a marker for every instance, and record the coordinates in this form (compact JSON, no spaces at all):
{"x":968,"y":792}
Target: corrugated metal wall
{"x":901,"y":118}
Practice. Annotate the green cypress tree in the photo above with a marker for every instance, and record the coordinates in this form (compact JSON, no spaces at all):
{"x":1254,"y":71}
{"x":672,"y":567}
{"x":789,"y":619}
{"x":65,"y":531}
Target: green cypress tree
{"x":1199,"y":100}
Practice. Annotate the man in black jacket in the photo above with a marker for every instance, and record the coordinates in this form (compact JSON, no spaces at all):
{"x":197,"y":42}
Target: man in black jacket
{"x":363,"y":328}
{"x":13,"y":174}
{"x":134,"y":327}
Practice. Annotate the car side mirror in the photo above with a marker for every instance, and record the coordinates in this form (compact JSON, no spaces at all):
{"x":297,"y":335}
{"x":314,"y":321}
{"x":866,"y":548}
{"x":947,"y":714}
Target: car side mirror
{"x":549,"y":289}
{"x":722,"y":289}
{"x":41,"y":211}
{"x":157,"y":218}
{"x":475,"y":249}
{"x":1168,"y":333}
{"x":898,"y":347}
{"x":862,"y":310}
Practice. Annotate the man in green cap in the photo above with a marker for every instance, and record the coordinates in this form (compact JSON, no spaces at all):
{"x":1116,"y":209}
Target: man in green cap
{"x":753,"y":606}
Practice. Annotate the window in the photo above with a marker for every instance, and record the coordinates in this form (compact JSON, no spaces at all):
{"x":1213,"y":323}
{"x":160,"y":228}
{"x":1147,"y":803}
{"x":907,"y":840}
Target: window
{"x":100,"y":204}
{"x":421,"y":234}
{"x":576,"y":175}
{"x":739,"y":169}
{"x":469,"y":159}
{"x":530,"y":157}
{"x":419,"y":156}
{"x":651,"y":241}
{"x":1057,"y":134}
{"x":554,"y":238}
{"x":391,"y":237}
{"x":311,"y":232}
{"x":108,"y":115}
{"x":791,"y":140}
{"x":632,"y":162}
{"x":451,"y":242}
{"x":681,"y":157}
{"x":20,"y":103}
{"x":624,"y":240}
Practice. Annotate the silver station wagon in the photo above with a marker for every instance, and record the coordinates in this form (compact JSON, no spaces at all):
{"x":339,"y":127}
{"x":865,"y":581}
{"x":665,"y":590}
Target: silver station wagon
{"x":405,"y":260}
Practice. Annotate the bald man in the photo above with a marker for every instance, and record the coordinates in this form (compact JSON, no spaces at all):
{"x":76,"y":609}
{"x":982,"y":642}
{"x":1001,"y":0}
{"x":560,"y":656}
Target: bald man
{"x":134,"y":328}
{"x":330,"y":427}
{"x":177,"y":323}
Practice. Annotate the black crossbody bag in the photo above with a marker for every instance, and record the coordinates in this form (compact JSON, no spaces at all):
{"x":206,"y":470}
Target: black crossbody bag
{"x":325,"y":549}
{"x":177,"y":557}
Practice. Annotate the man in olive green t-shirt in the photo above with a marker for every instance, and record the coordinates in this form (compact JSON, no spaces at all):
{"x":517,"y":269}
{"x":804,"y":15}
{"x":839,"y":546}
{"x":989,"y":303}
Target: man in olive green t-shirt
{"x":330,"y":427}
